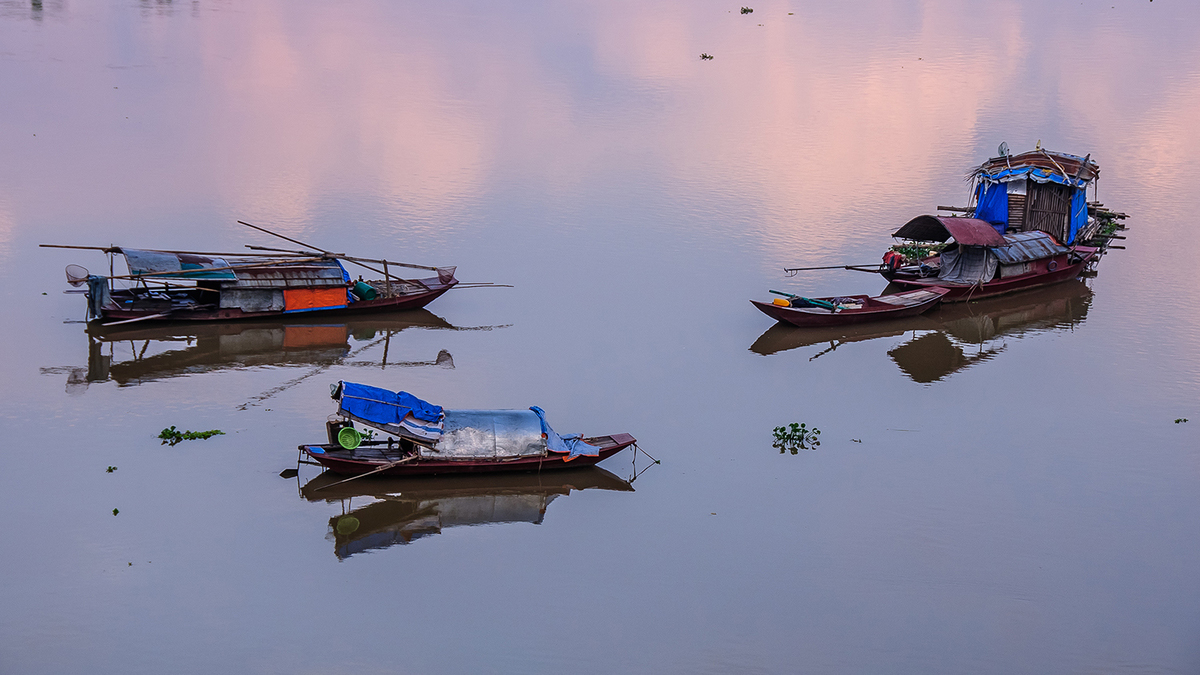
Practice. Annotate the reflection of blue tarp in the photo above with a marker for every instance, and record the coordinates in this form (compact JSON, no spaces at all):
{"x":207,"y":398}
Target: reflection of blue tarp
{"x":380,"y":406}
{"x":992,"y":205}
{"x":572,"y":445}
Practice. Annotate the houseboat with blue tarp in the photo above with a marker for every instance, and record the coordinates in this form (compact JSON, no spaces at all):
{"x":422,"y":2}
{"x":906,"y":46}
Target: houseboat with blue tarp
{"x":1031,"y":225}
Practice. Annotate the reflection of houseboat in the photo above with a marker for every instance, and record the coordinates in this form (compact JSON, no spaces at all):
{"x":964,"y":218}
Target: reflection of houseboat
{"x":951,"y":337}
{"x":966,"y":332}
{"x":402,"y":510}
{"x":1028,"y":228}
{"x":131,"y":354}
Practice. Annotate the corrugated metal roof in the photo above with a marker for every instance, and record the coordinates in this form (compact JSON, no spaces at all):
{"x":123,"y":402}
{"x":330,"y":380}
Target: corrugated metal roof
{"x":966,"y":231}
{"x":1027,"y":246}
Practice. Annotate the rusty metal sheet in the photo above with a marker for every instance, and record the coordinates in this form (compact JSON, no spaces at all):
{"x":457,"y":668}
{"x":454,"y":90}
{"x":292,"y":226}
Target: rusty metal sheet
{"x":1027,"y":246}
{"x":966,"y":231}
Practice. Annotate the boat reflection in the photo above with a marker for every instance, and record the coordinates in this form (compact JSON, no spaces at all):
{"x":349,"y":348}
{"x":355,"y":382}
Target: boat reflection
{"x":401,"y":510}
{"x":133,"y":354}
{"x":951,"y":337}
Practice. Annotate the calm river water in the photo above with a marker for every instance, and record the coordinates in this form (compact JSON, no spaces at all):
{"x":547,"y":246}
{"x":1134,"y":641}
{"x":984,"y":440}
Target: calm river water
{"x":1000,"y":488}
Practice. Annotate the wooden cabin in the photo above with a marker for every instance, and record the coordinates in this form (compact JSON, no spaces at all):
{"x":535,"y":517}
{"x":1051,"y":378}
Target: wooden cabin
{"x":1038,"y":190}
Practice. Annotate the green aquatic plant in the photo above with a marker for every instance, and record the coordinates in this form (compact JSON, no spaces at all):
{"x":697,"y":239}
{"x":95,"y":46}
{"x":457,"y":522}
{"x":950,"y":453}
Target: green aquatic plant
{"x":171,"y":435}
{"x":795,"y":437}
{"x":116,"y":511}
{"x":110,"y":469}
{"x":915,"y":252}
{"x":706,"y":57}
{"x":747,"y":10}
{"x":1180,"y":420}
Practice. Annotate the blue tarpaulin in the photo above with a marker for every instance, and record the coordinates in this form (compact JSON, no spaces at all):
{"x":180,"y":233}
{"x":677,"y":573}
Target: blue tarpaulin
{"x":1079,"y":214}
{"x":992,"y":205}
{"x":1033,"y":173}
{"x":380,"y":406}
{"x":572,"y":445}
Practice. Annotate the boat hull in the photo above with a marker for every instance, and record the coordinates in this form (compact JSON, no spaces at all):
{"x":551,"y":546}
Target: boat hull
{"x":873,"y":310}
{"x":379,"y":305}
{"x":347,"y":462}
{"x":1042,"y":275}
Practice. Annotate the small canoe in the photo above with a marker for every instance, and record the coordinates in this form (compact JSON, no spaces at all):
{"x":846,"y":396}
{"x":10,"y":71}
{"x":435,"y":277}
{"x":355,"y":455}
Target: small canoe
{"x":854,"y":309}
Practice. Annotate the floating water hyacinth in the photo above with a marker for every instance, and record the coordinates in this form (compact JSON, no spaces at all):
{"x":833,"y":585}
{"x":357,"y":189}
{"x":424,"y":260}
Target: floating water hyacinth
{"x":796,"y":437}
{"x":171,"y":435}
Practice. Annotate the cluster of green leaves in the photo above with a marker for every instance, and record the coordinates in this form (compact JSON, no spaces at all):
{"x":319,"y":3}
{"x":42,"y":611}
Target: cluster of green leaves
{"x":1180,"y":420}
{"x":796,"y":437}
{"x":914,"y":252}
{"x":1108,"y":224}
{"x":171,"y":435}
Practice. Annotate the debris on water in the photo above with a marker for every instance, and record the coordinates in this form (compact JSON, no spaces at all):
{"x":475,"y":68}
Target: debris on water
{"x":747,"y":10}
{"x":706,"y":57}
{"x":856,"y":440}
{"x":289,"y":473}
{"x":171,"y":435}
{"x":116,"y":511}
{"x":796,"y":437}
{"x":347,"y":525}
{"x":1180,"y":420}
{"x":110,"y":469}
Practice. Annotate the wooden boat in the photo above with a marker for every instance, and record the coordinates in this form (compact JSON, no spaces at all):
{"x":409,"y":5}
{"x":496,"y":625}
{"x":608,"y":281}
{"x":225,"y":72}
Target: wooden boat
{"x":1029,"y":225}
{"x":423,"y":439}
{"x":203,"y":286}
{"x":853,"y":309}
{"x":985,"y":262}
{"x":373,"y":456}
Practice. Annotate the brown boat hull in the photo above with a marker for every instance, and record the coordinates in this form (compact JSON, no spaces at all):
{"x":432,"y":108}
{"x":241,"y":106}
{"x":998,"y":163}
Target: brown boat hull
{"x":345,"y":462}
{"x":872,"y":310}
{"x":1041,"y":275}
{"x":409,"y":301}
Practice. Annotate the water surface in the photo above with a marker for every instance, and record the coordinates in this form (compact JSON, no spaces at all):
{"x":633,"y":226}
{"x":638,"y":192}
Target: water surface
{"x":1000,"y":487}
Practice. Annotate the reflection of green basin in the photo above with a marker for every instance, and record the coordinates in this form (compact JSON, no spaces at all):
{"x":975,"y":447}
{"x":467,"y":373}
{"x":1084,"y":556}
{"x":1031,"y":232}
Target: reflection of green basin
{"x":347,"y":525}
{"x":349,"y":438}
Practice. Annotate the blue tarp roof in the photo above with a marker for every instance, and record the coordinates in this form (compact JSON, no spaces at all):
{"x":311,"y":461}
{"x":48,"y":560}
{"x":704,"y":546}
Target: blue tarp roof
{"x":380,"y":406}
{"x":1036,"y":174}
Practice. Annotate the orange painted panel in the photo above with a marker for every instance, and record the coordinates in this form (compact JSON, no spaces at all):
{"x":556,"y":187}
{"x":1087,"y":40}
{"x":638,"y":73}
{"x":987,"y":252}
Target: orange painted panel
{"x":296,"y":299}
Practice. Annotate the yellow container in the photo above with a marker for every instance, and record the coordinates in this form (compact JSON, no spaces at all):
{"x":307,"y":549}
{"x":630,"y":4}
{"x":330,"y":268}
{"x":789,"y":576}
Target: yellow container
{"x":782,"y":302}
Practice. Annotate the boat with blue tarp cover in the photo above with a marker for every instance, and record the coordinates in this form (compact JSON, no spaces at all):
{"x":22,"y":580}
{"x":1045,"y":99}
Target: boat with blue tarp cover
{"x":421,"y":438}
{"x":1030,"y":225}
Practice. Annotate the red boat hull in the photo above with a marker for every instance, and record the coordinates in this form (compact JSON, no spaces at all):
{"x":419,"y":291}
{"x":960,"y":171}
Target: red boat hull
{"x":410,"y":301}
{"x":873,"y":309}
{"x":345,"y":461}
{"x":1041,"y":275}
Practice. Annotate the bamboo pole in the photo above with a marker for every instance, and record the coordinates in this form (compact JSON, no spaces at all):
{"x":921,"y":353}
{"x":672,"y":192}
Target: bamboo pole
{"x":118,"y":249}
{"x":375,"y":470}
{"x":300,"y":243}
{"x":857,"y":268}
{"x":214,"y":269}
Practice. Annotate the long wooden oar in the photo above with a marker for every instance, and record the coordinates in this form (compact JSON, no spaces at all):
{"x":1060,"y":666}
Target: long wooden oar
{"x":375,"y":470}
{"x":856,"y":268}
